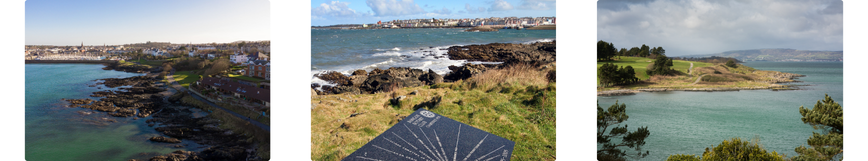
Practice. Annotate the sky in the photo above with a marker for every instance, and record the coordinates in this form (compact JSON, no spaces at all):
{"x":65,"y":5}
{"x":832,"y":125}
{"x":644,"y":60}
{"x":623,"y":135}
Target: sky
{"x":695,"y":27}
{"x":98,"y":22}
{"x":328,"y":12}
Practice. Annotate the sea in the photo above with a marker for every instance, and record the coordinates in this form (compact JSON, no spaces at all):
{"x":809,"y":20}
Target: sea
{"x":348,"y":50}
{"x":688,"y":122}
{"x":54,"y":131}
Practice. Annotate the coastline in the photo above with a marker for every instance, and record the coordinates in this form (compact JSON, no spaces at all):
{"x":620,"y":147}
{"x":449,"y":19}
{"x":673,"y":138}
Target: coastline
{"x":147,"y":98}
{"x":69,"y":61}
{"x":775,"y":85}
{"x":363,"y":82}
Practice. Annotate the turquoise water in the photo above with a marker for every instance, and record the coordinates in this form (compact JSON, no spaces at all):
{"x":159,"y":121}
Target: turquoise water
{"x":56,"y":132}
{"x":688,"y":122}
{"x":348,"y":50}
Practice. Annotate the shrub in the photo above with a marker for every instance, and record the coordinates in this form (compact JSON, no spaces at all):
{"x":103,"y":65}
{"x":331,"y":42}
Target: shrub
{"x":733,"y":149}
{"x":731,"y":63}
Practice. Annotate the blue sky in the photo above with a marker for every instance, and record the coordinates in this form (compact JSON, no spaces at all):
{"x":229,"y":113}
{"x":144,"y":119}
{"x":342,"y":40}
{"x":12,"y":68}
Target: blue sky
{"x":330,"y":12}
{"x":49,"y":22}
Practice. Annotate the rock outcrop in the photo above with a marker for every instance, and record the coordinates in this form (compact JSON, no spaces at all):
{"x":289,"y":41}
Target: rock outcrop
{"x":537,"y":53}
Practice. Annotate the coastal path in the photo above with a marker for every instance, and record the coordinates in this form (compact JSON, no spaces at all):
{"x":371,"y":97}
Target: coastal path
{"x":689,"y":70}
{"x":182,"y":89}
{"x":697,"y":79}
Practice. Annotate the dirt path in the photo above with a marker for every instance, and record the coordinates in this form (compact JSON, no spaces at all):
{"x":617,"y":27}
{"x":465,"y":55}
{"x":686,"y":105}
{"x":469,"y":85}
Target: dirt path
{"x":697,"y":79}
{"x":690,"y":70}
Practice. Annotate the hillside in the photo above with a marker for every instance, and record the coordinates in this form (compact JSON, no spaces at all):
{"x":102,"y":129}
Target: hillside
{"x":640,"y":65}
{"x":780,"y":55}
{"x":705,"y":77}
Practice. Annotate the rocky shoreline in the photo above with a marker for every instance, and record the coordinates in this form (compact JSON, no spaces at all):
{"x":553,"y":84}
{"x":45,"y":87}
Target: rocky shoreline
{"x":145,"y":98}
{"x":378,"y":80}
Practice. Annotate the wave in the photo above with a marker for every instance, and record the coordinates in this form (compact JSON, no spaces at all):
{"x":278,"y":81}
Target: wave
{"x":538,"y":40}
{"x":387,"y":54}
{"x":392,"y":49}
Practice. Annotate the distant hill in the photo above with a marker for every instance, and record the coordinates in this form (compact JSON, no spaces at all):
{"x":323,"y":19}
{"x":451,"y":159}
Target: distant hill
{"x":779,"y":55}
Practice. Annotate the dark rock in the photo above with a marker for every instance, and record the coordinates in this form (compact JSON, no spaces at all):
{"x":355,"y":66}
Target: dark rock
{"x":360,"y":72}
{"x":431,"y":77}
{"x":375,"y":71}
{"x":481,"y":29}
{"x":464,"y":72}
{"x":164,"y":139}
{"x":536,"y":53}
{"x":334,"y":77}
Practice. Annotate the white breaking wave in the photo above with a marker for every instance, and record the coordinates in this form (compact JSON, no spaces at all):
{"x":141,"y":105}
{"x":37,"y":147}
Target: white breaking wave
{"x":390,"y":53}
{"x":540,"y":40}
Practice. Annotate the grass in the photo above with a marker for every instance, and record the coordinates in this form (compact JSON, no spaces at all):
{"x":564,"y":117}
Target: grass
{"x":717,"y":75}
{"x":185,"y":78}
{"x":640,"y":65}
{"x":260,"y":137}
{"x":515,"y":103}
{"x":242,"y":77}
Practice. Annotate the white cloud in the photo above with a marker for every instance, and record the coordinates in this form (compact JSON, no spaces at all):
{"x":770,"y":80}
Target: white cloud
{"x":443,"y":11}
{"x":334,"y":9}
{"x":471,"y":9}
{"x":693,"y":27}
{"x":537,"y":5}
{"x":500,"y":5}
{"x":394,"y":8}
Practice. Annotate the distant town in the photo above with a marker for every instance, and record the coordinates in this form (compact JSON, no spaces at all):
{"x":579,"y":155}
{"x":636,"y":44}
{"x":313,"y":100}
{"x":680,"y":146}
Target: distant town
{"x":493,"y":22}
{"x":148,"y":50}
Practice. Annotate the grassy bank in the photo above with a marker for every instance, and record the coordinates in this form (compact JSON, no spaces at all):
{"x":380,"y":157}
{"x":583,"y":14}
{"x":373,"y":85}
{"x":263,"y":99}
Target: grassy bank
{"x":260,"y":137}
{"x":242,"y":77}
{"x":185,"y":78}
{"x":517,"y":103}
{"x":709,"y":76}
{"x":640,"y":65}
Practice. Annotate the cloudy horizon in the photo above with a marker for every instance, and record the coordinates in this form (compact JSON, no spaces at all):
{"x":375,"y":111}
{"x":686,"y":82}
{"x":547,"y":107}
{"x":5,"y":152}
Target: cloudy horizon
{"x":332,"y":12}
{"x":697,"y":27}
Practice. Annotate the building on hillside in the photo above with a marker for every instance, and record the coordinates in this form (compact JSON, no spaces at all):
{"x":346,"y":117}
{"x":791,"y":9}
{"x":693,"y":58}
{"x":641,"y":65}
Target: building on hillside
{"x":239,"y":90}
{"x":257,"y":56}
{"x":238,"y":58}
{"x":259,"y":68}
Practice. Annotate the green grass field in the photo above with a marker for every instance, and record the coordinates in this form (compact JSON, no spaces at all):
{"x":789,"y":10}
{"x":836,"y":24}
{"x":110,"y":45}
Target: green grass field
{"x":185,"y":78}
{"x":242,"y":77}
{"x":640,"y":65}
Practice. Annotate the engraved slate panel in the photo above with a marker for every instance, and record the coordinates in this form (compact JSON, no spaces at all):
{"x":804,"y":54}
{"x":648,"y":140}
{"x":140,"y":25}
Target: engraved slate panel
{"x":425,"y":135}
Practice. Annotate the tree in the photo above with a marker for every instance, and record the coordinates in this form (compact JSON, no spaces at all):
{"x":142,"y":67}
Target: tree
{"x":734,"y":149}
{"x":218,"y":67}
{"x":605,"y":50}
{"x":183,"y":48}
{"x":730,"y":63}
{"x":644,"y":51}
{"x":622,"y":52}
{"x":829,"y":116}
{"x":634,"y":140}
{"x":661,"y":66}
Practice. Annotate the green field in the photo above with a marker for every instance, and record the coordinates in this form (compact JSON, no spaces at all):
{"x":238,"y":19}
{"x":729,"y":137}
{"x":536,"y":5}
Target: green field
{"x":640,"y":65}
{"x":242,"y":77}
{"x":185,"y":78}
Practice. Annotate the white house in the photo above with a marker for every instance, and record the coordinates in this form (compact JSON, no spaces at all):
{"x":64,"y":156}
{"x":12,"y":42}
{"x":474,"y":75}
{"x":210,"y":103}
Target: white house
{"x":192,"y":53}
{"x":238,"y":58}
